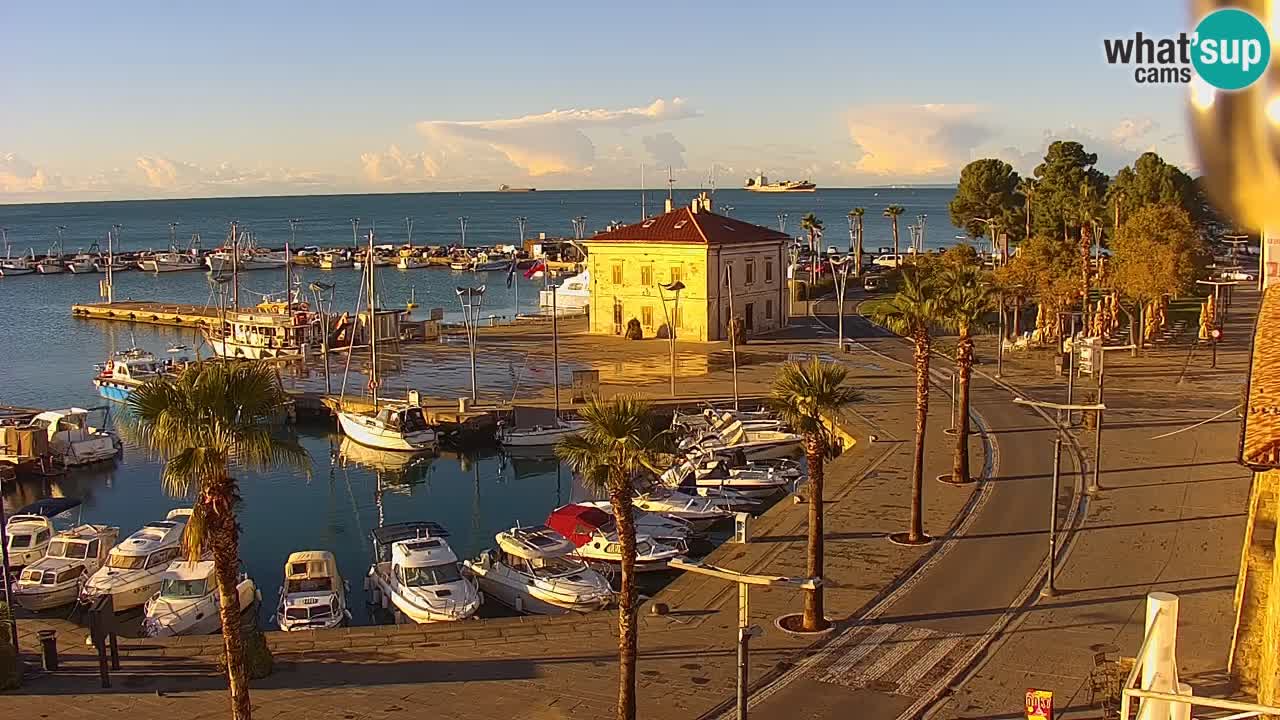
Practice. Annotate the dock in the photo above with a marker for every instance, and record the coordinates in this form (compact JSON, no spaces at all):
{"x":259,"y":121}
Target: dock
{"x":149,"y":313}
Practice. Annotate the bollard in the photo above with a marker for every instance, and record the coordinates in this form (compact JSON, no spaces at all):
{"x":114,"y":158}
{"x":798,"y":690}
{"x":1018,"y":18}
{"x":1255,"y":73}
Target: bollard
{"x":48,"y":649}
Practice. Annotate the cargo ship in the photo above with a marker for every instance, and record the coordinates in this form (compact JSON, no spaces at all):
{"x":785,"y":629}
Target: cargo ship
{"x":508,"y":188}
{"x":760,"y":183}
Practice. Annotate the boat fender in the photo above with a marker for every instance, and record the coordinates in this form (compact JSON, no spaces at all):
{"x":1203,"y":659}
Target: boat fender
{"x":659,"y":609}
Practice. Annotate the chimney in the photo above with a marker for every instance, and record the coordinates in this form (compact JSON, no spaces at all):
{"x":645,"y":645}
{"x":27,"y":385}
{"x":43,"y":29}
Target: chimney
{"x":706,"y":201}
{"x":696,"y":205}
{"x":668,"y":205}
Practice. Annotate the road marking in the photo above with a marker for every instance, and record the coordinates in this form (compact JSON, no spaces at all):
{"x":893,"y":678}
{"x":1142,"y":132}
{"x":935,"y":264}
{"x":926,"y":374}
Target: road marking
{"x":870,"y":642}
{"x":894,"y":656}
{"x":915,"y":673}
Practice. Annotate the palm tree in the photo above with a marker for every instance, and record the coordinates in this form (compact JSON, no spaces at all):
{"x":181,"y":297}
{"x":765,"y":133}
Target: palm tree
{"x":210,"y":416}
{"x":856,"y":214}
{"x":892,"y":212}
{"x":912,"y":313}
{"x":1091,"y":211}
{"x":813,"y":226}
{"x":806,"y":396}
{"x":618,"y":445}
{"x":1027,"y":189}
{"x":966,"y":298}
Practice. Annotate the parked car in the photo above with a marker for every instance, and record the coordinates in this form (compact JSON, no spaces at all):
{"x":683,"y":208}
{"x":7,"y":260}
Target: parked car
{"x":875,"y":283}
{"x":1238,"y":275}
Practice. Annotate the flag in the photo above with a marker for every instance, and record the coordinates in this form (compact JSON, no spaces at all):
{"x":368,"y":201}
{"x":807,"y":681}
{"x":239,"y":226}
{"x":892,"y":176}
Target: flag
{"x":534,"y":269}
{"x":511,"y":272}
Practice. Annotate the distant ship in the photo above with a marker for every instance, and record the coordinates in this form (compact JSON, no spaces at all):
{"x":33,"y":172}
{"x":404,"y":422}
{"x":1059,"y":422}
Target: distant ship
{"x":760,"y":183}
{"x":508,"y":188}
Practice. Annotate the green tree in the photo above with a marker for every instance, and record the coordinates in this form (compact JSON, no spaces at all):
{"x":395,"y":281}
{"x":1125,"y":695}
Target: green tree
{"x":892,"y":212}
{"x":1157,"y":252}
{"x":1045,"y":270}
{"x":617,"y":446}
{"x":1152,"y":181}
{"x":912,"y":313}
{"x":1065,"y":169}
{"x":856,"y":215}
{"x":1092,"y":215}
{"x":967,"y":297}
{"x":214,"y":415}
{"x":1027,"y":189}
{"x":988,"y":189}
{"x":807,"y":396}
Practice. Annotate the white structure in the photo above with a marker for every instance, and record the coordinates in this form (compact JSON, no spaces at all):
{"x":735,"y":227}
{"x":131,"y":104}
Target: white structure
{"x":417,"y":575}
{"x":573,"y":295}
{"x":314,"y":595}
{"x":72,"y":440}
{"x":31,"y":528}
{"x":133,"y":570}
{"x":55,"y":579}
{"x":534,"y":570}
{"x":188,"y":602}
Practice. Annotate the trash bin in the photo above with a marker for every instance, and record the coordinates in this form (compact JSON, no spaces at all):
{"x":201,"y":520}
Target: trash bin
{"x":48,"y":649}
{"x":1060,"y":363}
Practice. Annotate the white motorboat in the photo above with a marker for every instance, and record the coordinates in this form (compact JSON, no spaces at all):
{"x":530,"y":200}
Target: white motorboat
{"x":538,"y":435}
{"x":31,"y":528}
{"x":753,"y":444}
{"x":394,"y":426}
{"x":668,"y":530}
{"x":172,"y":261}
{"x":712,"y":419}
{"x":573,"y":295}
{"x":73,"y":441}
{"x":134,"y":568}
{"x":335,"y":259}
{"x":82,"y":264}
{"x":101,"y":264}
{"x":51,"y":266}
{"x":125,"y":372}
{"x":417,"y":575}
{"x":412,"y":262}
{"x":314,"y":595}
{"x":595,"y":534}
{"x":697,"y":473}
{"x":55,"y":579}
{"x":489,"y":262}
{"x":700,"y":512}
{"x":188,"y":601}
{"x":535,"y":570}
{"x":221,"y":261}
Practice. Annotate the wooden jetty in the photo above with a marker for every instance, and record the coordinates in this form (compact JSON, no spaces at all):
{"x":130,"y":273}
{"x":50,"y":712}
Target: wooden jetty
{"x":149,"y":313}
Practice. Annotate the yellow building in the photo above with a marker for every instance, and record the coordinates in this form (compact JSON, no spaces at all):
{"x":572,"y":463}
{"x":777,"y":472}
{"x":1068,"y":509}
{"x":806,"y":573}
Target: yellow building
{"x":702,"y":250}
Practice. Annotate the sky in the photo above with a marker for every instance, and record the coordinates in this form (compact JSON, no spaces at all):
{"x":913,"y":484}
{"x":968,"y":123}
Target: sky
{"x":159,"y":99}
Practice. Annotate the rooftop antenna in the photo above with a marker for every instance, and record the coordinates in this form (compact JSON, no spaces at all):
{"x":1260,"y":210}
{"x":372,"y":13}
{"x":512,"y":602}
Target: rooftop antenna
{"x":670,"y":182}
{"x":713,"y":179}
{"x":644,"y":215}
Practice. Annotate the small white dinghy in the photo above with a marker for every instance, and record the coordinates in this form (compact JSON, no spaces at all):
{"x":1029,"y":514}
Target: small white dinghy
{"x":535,"y":570}
{"x":188,"y":603}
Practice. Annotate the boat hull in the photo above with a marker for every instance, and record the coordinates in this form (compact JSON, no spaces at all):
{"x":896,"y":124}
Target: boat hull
{"x":14,"y":271}
{"x":537,"y":437}
{"x":128,"y":596}
{"x":159,"y":267}
{"x":522,"y":598}
{"x":40,"y":598}
{"x":113,"y":391}
{"x":359,"y":428}
{"x":50,"y":268}
{"x":234,"y":349}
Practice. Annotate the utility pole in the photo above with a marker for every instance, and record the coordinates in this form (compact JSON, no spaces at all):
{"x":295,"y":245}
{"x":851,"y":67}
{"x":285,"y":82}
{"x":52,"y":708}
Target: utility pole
{"x":471,"y":300}
{"x":733,"y":336}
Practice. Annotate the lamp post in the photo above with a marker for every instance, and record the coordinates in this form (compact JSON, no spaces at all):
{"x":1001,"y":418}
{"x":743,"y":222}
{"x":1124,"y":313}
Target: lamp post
{"x":782,"y":222}
{"x":993,"y":226}
{"x":746,"y":630}
{"x":1051,"y":588}
{"x":1095,"y":484}
{"x":462,"y":223}
{"x":674,"y":288}
{"x":840,"y":274}
{"x":355,"y":229}
{"x":471,"y":300}
{"x":733,"y":335}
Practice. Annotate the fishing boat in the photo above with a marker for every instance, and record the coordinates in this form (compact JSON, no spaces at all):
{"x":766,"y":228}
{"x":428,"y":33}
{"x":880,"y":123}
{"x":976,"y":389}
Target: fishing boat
{"x":55,"y":579}
{"x":461,"y":263}
{"x":250,"y":258}
{"x":417,"y":575}
{"x":386,"y":426}
{"x":264,"y":335}
{"x":489,"y":262}
{"x":52,"y":263}
{"x":134,"y":568}
{"x":172,"y":261}
{"x":188,"y":602}
{"x":102,"y":264}
{"x":314,"y":595}
{"x":508,"y":188}
{"x":126,"y":371}
{"x":412,"y":262}
{"x":13,"y":266}
{"x":32,"y":527}
{"x":535,"y":570}
{"x":760,"y":183}
{"x":595,"y":534}
{"x":83,"y":263}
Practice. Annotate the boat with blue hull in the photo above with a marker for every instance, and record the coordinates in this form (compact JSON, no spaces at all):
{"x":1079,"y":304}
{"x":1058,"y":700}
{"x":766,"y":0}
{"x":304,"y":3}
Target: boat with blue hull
{"x":127,"y":370}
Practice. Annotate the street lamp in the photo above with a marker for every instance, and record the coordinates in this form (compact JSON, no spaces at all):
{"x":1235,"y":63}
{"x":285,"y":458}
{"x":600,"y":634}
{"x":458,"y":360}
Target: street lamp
{"x":1100,"y":359}
{"x":471,"y":300}
{"x":782,"y":222}
{"x":840,"y":274}
{"x":674,"y":288}
{"x":745,"y":629}
{"x":1051,"y":588}
{"x":992,"y":226}
{"x":462,"y":223}
{"x":355,"y":228}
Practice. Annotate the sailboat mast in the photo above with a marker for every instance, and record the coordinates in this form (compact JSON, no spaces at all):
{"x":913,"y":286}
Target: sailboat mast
{"x":555,"y":350}
{"x":288,"y":281}
{"x":235,"y":265}
{"x":373,"y":326}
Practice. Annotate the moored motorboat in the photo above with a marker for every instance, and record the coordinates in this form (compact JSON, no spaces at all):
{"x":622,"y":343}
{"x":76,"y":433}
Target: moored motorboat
{"x":668,"y":530}
{"x":335,"y":259}
{"x":535,"y":570}
{"x":538,"y":435}
{"x":125,"y":372}
{"x":32,"y":527}
{"x":700,"y":472}
{"x":314,"y":595}
{"x":82,"y":264}
{"x":55,"y":579}
{"x":595,"y":534}
{"x":416,"y":575}
{"x":172,"y":261}
{"x":393,"y":426}
{"x":132,"y":572}
{"x":73,"y":441}
{"x":753,"y":444}
{"x":701,"y":512}
{"x":188,"y":601}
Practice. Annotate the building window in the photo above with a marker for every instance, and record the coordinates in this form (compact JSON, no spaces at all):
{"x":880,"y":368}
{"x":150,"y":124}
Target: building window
{"x":768,"y":271}
{"x":750,"y":317}
{"x":646,"y":275}
{"x":677,"y":273}
{"x":751,"y":271}
{"x":617,"y":273}
{"x":768,"y":309}
{"x":646,"y":316}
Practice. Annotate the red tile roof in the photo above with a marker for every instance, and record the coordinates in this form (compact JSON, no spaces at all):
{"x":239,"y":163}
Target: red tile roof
{"x":682,"y":225}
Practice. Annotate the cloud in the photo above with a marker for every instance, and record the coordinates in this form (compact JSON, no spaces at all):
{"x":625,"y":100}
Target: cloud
{"x":395,"y":165}
{"x":915,"y":142}
{"x":1130,"y":130}
{"x":165,"y":174}
{"x":17,"y":175}
{"x":542,"y":144}
{"x":665,"y":150}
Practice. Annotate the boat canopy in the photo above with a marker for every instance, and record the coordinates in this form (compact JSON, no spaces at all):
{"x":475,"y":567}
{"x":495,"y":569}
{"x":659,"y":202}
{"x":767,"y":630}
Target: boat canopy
{"x":534,"y":543}
{"x":187,"y":571}
{"x":579,"y":523}
{"x":49,"y":507}
{"x":310,"y":564}
{"x":389,"y":534}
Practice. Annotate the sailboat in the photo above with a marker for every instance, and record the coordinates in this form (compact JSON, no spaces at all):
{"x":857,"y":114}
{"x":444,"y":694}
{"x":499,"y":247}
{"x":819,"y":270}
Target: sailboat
{"x":559,"y":429}
{"x":388,"y":426}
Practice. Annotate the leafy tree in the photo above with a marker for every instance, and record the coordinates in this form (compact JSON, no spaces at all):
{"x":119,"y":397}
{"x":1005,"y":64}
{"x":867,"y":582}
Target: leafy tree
{"x":967,"y":297}
{"x":988,"y":189}
{"x":807,"y":396}
{"x":1066,"y":168}
{"x":912,"y":313}
{"x":1157,"y":252}
{"x":1044,"y":270}
{"x":617,"y":446}
{"x":209,"y":417}
{"x":1027,"y":190}
{"x":1091,"y":216}
{"x":892,"y":212}
{"x":1152,"y":181}
{"x":857,"y":215}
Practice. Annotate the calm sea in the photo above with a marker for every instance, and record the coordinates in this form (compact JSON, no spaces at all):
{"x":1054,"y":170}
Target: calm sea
{"x":47,"y":357}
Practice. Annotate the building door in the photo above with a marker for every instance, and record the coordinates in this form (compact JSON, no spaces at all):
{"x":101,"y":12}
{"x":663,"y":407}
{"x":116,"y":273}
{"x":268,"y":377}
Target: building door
{"x":617,"y":317}
{"x":751,"y":311}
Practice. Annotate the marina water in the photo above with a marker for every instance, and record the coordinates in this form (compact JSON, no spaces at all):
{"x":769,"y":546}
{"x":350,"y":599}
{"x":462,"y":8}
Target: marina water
{"x":48,"y":356}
